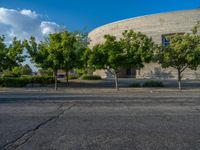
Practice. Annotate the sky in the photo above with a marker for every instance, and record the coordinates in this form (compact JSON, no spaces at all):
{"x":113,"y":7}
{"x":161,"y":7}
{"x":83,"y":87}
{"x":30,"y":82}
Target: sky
{"x":85,"y":15}
{"x":25,"y":18}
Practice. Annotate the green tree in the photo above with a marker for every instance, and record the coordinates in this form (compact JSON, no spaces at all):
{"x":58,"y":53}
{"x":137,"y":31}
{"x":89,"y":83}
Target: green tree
{"x":15,"y":55}
{"x":62,"y":50}
{"x":46,"y":72}
{"x":138,"y":48}
{"x":132,"y":50}
{"x":11,"y":55}
{"x":195,"y":28}
{"x":74,"y":46}
{"x":68,"y":42}
{"x":82,"y":52}
{"x":108,"y":55}
{"x":3,"y":54}
{"x":183,"y":52}
{"x":26,"y":70}
{"x":17,"y":71}
{"x":47,"y":54}
{"x":86,"y":67}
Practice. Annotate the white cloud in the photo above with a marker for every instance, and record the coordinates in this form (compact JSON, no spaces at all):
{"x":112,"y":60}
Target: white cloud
{"x":25,"y":23}
{"x":48,"y":27}
{"x":29,"y":13}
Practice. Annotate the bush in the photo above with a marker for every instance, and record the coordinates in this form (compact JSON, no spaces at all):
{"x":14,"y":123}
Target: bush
{"x":8,"y":73}
{"x":12,"y":82}
{"x":91,"y":77}
{"x":26,"y":70}
{"x":81,"y":72}
{"x":73,"y":77}
{"x":47,"y":72}
{"x":137,"y":84}
{"x":153,"y":83}
{"x":17,"y":71}
{"x":39,"y":79}
{"x":23,"y":81}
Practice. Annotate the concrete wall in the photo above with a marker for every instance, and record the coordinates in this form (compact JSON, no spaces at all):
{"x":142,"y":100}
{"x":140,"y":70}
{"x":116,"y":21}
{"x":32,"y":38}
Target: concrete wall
{"x":153,"y":26}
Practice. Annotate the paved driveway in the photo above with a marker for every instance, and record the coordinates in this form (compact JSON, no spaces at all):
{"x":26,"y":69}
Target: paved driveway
{"x":91,"y":120}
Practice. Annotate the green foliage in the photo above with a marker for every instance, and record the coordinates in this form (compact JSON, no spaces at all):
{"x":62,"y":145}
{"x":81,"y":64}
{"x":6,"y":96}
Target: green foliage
{"x":23,"y":81}
{"x":84,"y":60}
{"x":39,"y":79}
{"x":3,"y":54}
{"x":60,"y":51}
{"x":132,"y":50}
{"x":11,"y":55}
{"x":82,"y":50}
{"x":18,"y":71}
{"x":195,"y":28}
{"x":15,"y":53}
{"x":26,"y":70}
{"x":81,"y":72}
{"x":153,"y":83}
{"x":108,"y":55}
{"x":46,"y":72}
{"x":136,"y":84}
{"x":73,"y":77}
{"x":12,"y":82}
{"x":91,"y":77}
{"x":183,"y":52}
{"x":46,"y":54}
{"x":138,"y":48}
{"x":8,"y":73}
{"x":68,"y":50}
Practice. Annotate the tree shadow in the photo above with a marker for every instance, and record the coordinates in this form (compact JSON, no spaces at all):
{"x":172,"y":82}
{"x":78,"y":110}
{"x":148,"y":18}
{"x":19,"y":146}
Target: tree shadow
{"x":160,"y":74}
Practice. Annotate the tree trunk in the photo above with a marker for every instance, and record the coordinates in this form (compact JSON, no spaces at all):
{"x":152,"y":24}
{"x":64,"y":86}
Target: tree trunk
{"x":116,"y":81}
{"x":67,"y":76}
{"x":56,"y":83}
{"x":179,"y":79}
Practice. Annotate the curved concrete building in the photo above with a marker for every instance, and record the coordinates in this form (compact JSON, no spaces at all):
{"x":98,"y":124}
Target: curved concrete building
{"x":155,"y":26}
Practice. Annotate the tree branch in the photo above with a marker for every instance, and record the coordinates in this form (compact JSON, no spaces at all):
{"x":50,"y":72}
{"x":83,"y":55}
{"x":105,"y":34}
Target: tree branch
{"x":183,"y":69}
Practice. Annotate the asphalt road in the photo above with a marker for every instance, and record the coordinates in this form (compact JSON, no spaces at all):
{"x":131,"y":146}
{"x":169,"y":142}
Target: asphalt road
{"x":147,"y":120}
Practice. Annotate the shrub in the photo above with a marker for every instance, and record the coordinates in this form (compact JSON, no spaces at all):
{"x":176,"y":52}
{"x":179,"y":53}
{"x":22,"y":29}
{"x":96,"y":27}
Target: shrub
{"x":17,"y":71}
{"x":91,"y":77}
{"x":136,"y":84}
{"x":12,"y":82}
{"x":47,"y":72}
{"x":23,"y":81}
{"x":39,"y":79}
{"x":81,"y":72}
{"x":72,"y":77}
{"x":8,"y":73}
{"x":26,"y":70}
{"x":153,"y":83}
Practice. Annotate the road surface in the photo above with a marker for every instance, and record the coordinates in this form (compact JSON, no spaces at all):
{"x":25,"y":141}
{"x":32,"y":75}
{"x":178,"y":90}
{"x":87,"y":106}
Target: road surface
{"x":150,"y":120}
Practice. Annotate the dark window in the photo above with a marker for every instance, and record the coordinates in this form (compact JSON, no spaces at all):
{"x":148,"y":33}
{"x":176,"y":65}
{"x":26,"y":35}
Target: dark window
{"x":165,"y":41}
{"x":131,"y":72}
{"x":166,"y":38}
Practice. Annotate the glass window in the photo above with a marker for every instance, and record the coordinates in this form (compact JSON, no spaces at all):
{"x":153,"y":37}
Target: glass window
{"x":166,"y":38}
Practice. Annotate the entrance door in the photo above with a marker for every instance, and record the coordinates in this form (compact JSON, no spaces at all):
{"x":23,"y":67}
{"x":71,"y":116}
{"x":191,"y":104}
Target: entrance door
{"x":131,"y":73}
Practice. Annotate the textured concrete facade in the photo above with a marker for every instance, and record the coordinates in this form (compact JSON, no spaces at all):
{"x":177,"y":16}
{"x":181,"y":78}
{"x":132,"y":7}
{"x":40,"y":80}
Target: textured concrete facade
{"x":153,"y":26}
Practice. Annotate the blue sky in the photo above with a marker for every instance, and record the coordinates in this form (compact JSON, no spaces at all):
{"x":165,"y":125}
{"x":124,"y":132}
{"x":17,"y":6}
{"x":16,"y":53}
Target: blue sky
{"x":89,"y":14}
{"x":25,"y":18}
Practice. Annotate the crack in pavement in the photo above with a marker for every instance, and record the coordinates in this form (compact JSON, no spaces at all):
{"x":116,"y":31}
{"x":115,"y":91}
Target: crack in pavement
{"x":25,"y":137}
